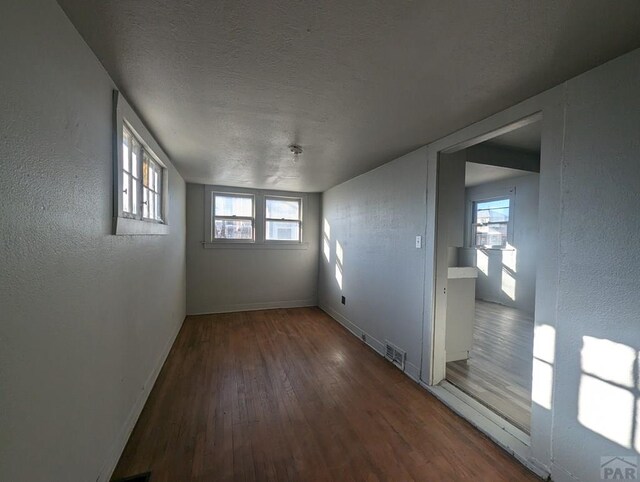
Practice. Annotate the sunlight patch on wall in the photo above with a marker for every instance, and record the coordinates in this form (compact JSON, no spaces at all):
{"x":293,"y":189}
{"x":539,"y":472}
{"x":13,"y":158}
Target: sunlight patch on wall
{"x":542,"y":383}
{"x":339,"y":275}
{"x":606,"y":409}
{"x":509,"y":257}
{"x":544,"y":344}
{"x":326,"y":240}
{"x":608,"y":360}
{"x":482,"y":262}
{"x":326,"y":249}
{"x":508,"y":284}
{"x":339,"y":263}
{"x":606,"y":399}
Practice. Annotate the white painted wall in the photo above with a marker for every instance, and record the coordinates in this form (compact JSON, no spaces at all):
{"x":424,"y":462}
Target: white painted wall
{"x":375,"y":218}
{"x":502,"y":266}
{"x":247,"y":277}
{"x":587,"y":305}
{"x":86,"y":318}
{"x":596,"y":402}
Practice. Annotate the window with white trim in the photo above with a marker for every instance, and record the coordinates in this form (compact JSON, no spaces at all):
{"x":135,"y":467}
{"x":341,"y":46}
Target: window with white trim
{"x":142,"y":183}
{"x":283,"y":218}
{"x":233,"y":217}
{"x":490,"y":223}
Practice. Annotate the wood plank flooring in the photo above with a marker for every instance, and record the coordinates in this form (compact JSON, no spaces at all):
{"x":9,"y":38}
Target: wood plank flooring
{"x":498,"y":371}
{"x":290,"y":395}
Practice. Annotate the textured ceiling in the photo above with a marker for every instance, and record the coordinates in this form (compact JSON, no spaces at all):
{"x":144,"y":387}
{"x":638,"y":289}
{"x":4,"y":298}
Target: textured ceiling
{"x":226,"y":86}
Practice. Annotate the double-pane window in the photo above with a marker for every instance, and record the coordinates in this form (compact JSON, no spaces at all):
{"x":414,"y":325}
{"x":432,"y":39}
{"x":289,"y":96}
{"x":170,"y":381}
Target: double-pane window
{"x":233,"y":216}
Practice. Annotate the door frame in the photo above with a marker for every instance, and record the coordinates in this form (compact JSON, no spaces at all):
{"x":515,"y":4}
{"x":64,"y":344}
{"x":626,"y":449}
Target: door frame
{"x":548,"y":108}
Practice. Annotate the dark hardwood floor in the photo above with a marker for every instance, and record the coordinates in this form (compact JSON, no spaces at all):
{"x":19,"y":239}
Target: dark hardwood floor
{"x":290,"y":395}
{"x":498,"y":371}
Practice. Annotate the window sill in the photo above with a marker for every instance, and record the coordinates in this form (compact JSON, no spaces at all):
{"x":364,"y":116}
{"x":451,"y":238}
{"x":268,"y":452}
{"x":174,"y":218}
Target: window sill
{"x":136,"y":227}
{"x":270,"y":245}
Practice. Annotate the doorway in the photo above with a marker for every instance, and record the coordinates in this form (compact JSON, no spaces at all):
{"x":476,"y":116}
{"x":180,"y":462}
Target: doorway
{"x":488,"y":221}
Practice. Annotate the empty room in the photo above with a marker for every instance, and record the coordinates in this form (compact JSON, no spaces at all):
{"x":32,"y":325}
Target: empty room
{"x":319,"y":241}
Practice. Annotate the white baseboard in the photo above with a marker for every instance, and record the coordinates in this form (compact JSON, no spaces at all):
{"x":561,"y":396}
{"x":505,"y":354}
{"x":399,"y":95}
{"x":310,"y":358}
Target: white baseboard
{"x":270,"y":305}
{"x":559,"y":474}
{"x":125,"y":432}
{"x":411,"y":370}
{"x":370,"y":340}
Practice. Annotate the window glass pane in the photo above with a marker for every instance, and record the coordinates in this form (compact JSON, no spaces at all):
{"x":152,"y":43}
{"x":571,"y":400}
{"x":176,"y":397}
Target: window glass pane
{"x":135,"y":151}
{"x":283,"y":230}
{"x":233,"y":229}
{"x":491,"y":235}
{"x":134,"y":196}
{"x":283,"y":208}
{"x":492,"y":211}
{"x":125,"y":192}
{"x":158,"y":213}
{"x":145,"y":202}
{"x":145,"y":171}
{"x":492,"y":221}
{"x":126,"y":139}
{"x":152,"y":205}
{"x":230,"y":205}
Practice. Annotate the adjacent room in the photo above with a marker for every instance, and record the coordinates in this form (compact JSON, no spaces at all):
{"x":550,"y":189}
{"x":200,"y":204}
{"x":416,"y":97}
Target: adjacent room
{"x":319,"y":241}
{"x":492,"y":259}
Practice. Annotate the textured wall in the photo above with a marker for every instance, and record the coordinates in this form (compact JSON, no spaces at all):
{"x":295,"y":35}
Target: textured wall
{"x":375,"y":219}
{"x":596,"y":405}
{"x":502,"y":266}
{"x":245,"y":277}
{"x":85,"y":317}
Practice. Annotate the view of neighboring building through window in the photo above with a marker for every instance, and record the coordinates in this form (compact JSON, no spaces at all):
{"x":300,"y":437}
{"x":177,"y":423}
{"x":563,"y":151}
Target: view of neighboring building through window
{"x":283,"y":220}
{"x":490,"y":226}
{"x":141,"y":180}
{"x":233,"y":216}
{"x":151,"y":190}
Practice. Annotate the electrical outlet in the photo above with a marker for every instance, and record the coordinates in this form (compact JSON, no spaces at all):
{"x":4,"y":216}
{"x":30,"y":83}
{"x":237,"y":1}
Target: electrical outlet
{"x":418,"y":242}
{"x":343,"y":300}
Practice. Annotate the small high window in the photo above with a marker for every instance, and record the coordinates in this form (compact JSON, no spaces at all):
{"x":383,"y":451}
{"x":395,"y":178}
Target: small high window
{"x":283,"y":219}
{"x":141,"y":180}
{"x":490,"y":224}
{"x":233,"y":217}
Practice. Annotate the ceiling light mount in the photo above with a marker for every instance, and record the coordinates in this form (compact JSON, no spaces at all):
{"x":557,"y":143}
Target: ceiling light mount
{"x":295,"y":149}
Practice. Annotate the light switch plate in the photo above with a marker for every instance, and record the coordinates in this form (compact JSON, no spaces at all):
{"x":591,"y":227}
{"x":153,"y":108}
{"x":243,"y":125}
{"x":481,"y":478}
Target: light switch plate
{"x":418,"y":242}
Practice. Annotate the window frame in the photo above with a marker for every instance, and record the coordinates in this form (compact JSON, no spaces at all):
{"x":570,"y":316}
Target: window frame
{"x":129,"y":223}
{"x":213,"y":217}
{"x":299,"y":221}
{"x":471,"y":224}
{"x":259,"y":205}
